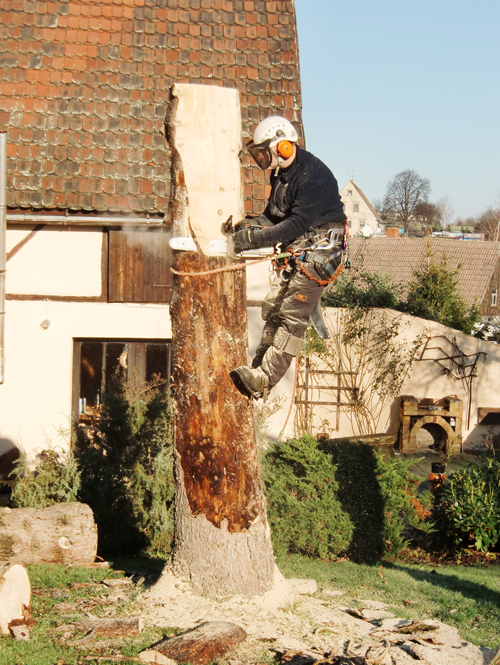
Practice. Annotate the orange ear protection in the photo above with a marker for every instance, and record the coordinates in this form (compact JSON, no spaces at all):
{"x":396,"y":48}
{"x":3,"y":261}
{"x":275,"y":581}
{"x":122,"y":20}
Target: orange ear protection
{"x":284,"y":149}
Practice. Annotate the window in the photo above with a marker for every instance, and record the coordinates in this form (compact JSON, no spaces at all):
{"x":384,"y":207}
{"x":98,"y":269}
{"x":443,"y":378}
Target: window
{"x":349,"y":224}
{"x":361,"y":223}
{"x":96,"y":362}
{"x":494,"y":298}
{"x":139,"y":266}
{"x":356,"y":207}
{"x":349,"y":192}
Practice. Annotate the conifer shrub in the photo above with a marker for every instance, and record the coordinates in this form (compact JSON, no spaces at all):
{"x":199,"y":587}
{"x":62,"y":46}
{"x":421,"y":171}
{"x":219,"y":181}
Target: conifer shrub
{"x":468,"y":507}
{"x":56,"y":479}
{"x":360,"y":495}
{"x":304,"y":512}
{"x":336,"y":497}
{"x":127,"y":470}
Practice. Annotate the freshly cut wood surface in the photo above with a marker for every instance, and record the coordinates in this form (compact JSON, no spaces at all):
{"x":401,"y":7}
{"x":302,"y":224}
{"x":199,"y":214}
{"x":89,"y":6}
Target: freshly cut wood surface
{"x":15,"y":594}
{"x":197,"y":646}
{"x":64,"y":533}
{"x":207,"y":136}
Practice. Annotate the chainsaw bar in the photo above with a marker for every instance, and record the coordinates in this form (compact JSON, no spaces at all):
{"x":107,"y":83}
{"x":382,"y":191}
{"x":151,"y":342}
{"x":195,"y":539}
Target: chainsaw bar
{"x":219,"y":246}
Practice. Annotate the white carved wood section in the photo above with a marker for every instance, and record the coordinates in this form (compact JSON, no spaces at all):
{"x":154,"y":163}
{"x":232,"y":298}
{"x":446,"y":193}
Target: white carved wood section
{"x":208,"y":140}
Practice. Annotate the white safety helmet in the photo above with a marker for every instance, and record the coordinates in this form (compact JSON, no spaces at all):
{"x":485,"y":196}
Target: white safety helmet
{"x":272,"y":132}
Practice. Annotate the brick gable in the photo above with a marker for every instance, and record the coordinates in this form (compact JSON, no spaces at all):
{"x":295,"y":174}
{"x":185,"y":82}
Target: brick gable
{"x":84,"y":90}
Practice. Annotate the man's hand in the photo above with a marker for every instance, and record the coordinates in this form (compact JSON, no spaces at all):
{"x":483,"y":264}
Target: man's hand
{"x":260,"y":222}
{"x":243,"y":240}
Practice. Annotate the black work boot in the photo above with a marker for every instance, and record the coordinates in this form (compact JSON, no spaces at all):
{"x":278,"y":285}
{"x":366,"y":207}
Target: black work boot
{"x":251,"y":382}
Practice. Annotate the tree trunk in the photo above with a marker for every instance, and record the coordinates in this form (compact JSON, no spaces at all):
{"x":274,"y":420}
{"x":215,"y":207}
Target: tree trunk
{"x":15,"y":595}
{"x":198,"y":646}
{"x":222,"y":540}
{"x":64,"y":533}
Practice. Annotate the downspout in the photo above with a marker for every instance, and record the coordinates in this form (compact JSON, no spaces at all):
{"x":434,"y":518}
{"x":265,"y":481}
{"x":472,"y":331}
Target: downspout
{"x":3,"y":246}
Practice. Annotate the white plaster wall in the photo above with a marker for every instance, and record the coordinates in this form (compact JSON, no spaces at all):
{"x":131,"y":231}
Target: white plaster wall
{"x":55,"y":262}
{"x":35,"y":399}
{"x":426,"y":379}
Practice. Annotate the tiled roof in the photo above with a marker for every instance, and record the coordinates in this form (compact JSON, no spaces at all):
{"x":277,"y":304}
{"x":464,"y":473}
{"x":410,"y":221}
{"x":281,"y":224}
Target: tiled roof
{"x":84,"y":89}
{"x":397,"y":257}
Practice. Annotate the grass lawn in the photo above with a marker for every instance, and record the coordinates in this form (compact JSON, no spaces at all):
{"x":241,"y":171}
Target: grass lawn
{"x":58,"y":599}
{"x":467,"y":597}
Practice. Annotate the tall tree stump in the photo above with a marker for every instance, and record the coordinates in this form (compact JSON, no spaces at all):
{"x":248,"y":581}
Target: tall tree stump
{"x":222,"y":540}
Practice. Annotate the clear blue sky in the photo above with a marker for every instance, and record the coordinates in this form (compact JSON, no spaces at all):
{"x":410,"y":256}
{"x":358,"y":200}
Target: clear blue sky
{"x":394,"y":85}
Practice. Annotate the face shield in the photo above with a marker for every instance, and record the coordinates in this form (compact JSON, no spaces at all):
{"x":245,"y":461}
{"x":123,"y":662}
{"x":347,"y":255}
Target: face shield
{"x":261,"y":154}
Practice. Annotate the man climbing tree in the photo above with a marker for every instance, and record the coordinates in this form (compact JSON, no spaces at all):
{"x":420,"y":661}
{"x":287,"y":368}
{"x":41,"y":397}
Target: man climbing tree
{"x":305,"y":216}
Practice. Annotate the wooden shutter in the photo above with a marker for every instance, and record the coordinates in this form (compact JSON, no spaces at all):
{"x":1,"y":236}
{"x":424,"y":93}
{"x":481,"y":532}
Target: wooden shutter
{"x":139,"y":266}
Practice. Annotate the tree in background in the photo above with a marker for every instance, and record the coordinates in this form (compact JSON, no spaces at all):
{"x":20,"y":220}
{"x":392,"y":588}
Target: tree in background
{"x":447,"y":211}
{"x":429,"y":215}
{"x":404,"y":193}
{"x":434,"y":295}
{"x":489,"y":224}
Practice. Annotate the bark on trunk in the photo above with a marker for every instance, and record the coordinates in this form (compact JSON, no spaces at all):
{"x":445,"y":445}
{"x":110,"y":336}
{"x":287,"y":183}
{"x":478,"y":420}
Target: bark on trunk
{"x":222,"y":541}
{"x":15,"y":595}
{"x":64,"y":533}
{"x":197,"y":646}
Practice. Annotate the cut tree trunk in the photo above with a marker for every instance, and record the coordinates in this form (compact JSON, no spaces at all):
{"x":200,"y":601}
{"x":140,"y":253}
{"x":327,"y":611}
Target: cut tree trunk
{"x":64,"y":533}
{"x":197,"y":646}
{"x":222,"y":540}
{"x":15,"y":594}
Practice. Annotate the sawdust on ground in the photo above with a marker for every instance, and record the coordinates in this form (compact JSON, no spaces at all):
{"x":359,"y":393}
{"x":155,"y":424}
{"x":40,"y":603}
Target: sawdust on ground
{"x":286,"y":620}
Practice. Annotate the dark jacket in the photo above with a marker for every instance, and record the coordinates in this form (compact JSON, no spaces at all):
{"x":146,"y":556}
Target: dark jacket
{"x":303,"y":196}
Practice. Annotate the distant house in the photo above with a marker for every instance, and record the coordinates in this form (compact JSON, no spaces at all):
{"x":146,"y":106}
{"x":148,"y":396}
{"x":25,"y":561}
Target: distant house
{"x":361,"y":215}
{"x":84,"y":93}
{"x":478,"y":263}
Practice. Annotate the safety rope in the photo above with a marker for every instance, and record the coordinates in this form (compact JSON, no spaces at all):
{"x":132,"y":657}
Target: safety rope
{"x":321,"y":282}
{"x":290,"y":253}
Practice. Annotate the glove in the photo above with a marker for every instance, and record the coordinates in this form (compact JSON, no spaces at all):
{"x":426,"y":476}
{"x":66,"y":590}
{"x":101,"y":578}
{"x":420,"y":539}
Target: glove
{"x":260,"y":222}
{"x":244,"y":239}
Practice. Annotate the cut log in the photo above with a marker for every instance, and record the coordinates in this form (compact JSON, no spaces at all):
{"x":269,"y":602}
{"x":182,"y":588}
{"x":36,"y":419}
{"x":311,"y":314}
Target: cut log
{"x":219,"y":496}
{"x":15,"y":595}
{"x":197,"y":646}
{"x":64,"y":533}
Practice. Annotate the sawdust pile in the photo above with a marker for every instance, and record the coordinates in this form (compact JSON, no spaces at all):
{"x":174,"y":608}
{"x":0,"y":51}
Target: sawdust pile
{"x":289,"y":622}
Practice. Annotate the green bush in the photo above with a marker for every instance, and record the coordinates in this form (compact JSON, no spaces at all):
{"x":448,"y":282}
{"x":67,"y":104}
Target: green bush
{"x":127,"y":471}
{"x":380,"y":496}
{"x":304,"y":512}
{"x":56,"y":479}
{"x":360,"y":496}
{"x":468,"y":511}
{"x":336,"y":497}
{"x":407,"y":514}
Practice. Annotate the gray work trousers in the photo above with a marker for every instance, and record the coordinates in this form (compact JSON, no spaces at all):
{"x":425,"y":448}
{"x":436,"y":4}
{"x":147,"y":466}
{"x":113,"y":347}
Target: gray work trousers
{"x":288,"y":306}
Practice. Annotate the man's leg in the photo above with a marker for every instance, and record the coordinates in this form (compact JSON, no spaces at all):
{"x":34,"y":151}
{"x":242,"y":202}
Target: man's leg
{"x":270,"y":314}
{"x":301,"y":298}
{"x":292,"y":317}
